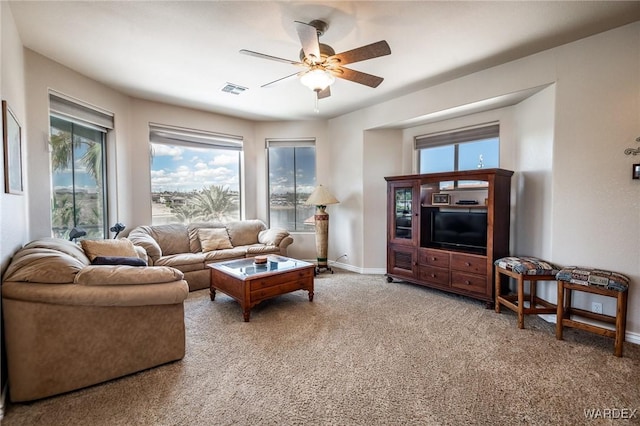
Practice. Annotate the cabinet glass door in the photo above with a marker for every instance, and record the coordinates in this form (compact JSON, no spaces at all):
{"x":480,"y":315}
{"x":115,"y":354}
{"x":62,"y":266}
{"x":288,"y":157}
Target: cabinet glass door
{"x":403,"y":212}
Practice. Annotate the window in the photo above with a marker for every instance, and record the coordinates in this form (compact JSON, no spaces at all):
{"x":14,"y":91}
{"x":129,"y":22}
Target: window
{"x":78,"y":167}
{"x":465,"y":149}
{"x":195,"y":175}
{"x":292,"y":178}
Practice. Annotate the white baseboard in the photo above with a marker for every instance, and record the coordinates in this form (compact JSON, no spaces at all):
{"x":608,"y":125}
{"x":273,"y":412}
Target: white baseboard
{"x":628,"y":336}
{"x":364,"y":271}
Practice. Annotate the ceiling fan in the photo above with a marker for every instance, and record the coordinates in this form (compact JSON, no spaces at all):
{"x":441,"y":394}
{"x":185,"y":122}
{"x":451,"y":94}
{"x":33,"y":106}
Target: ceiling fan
{"x":321,"y":63}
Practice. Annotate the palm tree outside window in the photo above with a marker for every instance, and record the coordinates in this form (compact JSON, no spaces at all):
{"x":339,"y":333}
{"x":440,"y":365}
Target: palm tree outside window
{"x":195,"y":175}
{"x":78,"y":178}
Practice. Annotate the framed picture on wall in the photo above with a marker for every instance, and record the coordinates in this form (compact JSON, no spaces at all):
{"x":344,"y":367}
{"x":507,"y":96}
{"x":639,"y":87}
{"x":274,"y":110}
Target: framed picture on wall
{"x":12,"y":141}
{"x":635,"y":171}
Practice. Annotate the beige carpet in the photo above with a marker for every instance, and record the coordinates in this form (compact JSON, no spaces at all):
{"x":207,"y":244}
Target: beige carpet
{"x":363,"y":352}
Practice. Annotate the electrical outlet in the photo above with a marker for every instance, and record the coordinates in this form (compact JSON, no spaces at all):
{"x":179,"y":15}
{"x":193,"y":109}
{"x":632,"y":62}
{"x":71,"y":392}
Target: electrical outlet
{"x":596,"y":307}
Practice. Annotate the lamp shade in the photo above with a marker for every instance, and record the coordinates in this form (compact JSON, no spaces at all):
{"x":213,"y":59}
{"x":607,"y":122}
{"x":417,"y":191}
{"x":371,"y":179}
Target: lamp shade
{"x":321,"y":197}
{"x":317,"y":79}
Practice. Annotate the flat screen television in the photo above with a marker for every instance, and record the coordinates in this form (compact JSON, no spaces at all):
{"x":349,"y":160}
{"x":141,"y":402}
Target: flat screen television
{"x":464,"y":230}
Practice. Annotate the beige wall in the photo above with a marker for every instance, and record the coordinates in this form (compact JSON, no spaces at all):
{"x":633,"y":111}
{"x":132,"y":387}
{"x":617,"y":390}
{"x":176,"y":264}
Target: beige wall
{"x":13,"y":208}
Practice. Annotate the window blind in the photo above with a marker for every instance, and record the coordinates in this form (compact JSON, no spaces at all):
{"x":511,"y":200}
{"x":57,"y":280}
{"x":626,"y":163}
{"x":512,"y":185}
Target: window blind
{"x":290,"y":143}
{"x":159,"y":133}
{"x":457,"y":136}
{"x":80,"y":113}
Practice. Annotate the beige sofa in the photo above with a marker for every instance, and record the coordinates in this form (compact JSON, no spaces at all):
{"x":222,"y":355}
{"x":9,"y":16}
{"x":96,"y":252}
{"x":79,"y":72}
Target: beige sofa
{"x":70,"y":324}
{"x":181,"y":246}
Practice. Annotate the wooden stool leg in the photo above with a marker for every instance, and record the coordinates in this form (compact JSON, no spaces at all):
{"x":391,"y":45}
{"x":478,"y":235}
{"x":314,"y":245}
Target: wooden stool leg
{"x":497,"y":280}
{"x":559,"y":310}
{"x":532,"y":294}
{"x":621,"y":322}
{"x":520,"y":301}
{"x":567,"y":301}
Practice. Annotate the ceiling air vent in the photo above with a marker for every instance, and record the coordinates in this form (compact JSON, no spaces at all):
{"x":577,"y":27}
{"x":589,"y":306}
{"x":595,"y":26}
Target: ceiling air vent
{"x":233,"y":88}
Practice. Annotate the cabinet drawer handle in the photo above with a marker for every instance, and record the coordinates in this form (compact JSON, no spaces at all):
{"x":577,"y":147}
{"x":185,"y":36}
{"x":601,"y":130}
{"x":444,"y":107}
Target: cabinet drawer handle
{"x":467,"y":282}
{"x":434,"y":258}
{"x":467,"y":264}
{"x":433,"y":275}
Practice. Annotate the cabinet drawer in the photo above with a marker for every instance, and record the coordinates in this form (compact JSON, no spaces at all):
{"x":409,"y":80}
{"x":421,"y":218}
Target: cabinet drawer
{"x":433,"y":258}
{"x":469,"y":263}
{"x":469,"y":282}
{"x":439,"y":276}
{"x":302,"y":275}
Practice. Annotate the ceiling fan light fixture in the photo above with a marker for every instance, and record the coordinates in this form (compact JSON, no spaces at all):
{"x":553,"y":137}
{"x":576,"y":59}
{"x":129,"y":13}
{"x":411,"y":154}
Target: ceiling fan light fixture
{"x":317,"y":79}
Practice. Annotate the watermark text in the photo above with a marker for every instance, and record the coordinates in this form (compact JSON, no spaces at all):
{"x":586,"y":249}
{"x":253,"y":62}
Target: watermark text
{"x":611,"y":413}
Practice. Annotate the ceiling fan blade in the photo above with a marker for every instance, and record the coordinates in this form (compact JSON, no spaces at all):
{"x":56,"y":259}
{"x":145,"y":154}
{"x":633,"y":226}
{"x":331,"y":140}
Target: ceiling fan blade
{"x":357,"y":76}
{"x":271,"y":58}
{"x":363,"y":53}
{"x":309,"y":39}
{"x":283,"y":78}
{"x":324,"y":93}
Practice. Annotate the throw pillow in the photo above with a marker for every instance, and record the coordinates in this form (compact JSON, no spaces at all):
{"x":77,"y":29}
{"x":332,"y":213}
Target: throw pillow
{"x":118,"y":260}
{"x":214,"y":239}
{"x":272,"y":237}
{"x":118,"y":247}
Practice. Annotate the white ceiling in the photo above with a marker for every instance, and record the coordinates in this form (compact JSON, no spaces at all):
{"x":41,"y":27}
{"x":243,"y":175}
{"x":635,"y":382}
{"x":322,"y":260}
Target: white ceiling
{"x":183,"y":52}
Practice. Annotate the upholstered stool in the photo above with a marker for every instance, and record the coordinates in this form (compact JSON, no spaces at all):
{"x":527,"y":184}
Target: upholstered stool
{"x":594,"y":281}
{"x":525,"y":268}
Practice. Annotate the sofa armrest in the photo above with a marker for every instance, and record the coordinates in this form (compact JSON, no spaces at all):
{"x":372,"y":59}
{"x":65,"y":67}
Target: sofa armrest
{"x":286,"y":242}
{"x":139,"y":238}
{"x":142,"y":253}
{"x":105,"y":295}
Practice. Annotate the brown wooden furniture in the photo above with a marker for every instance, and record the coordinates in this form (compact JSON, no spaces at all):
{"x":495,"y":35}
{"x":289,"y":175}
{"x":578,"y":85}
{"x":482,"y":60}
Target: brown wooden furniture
{"x":251,"y":283}
{"x":565,"y":312}
{"x":412,"y":253}
{"x":524,"y":269}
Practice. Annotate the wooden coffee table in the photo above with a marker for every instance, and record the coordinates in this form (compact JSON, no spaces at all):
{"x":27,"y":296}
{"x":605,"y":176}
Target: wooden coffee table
{"x":250,"y":283}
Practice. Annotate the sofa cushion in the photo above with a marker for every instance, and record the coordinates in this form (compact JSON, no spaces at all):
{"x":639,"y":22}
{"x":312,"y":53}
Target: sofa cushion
{"x":172,"y":238}
{"x":272,"y":237}
{"x":594,"y":277}
{"x":60,"y":245}
{"x":119,"y":247}
{"x":261,"y":249}
{"x":123,"y":274}
{"x":245,"y":232}
{"x":185,"y":262}
{"x":192,"y":229}
{"x":43,"y":265}
{"x":91,"y":295}
{"x":227,"y":254}
{"x":214,"y":239}
{"x":118,"y":260}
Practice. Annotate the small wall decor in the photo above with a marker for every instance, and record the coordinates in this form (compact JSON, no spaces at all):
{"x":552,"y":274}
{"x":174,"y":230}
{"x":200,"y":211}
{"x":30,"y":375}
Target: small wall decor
{"x":440,"y":199}
{"x":635,"y":172}
{"x":12,"y":140}
{"x":633,"y":151}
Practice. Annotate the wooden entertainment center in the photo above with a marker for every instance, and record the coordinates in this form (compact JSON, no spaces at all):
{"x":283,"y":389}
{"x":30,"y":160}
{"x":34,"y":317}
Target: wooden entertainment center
{"x":444,"y":230}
